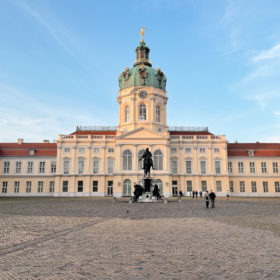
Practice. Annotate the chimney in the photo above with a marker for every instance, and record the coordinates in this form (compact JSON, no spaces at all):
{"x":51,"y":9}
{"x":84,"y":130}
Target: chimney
{"x":46,"y":141}
{"x":20,"y":141}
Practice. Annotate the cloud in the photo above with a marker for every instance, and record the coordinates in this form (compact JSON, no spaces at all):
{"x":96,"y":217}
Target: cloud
{"x":25,"y":117}
{"x":58,"y":31}
{"x":271,"y":53}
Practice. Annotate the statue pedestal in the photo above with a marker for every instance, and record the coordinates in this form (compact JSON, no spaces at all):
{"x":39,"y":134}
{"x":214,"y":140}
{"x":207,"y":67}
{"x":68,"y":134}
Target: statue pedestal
{"x":147,"y":197}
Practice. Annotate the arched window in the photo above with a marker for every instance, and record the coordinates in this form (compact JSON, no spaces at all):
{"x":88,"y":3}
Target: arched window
{"x":158,"y":160}
{"x":142,"y":112}
{"x":126,"y":187}
{"x":157,"y":113}
{"x":126,"y":114}
{"x":140,"y":163}
{"x":160,"y":186}
{"x":127,"y":160}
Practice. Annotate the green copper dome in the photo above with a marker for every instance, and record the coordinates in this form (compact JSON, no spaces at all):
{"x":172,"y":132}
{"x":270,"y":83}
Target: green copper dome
{"x":142,"y":73}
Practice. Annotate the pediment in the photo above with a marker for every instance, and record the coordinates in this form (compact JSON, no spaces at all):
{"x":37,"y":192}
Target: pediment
{"x":142,"y":133}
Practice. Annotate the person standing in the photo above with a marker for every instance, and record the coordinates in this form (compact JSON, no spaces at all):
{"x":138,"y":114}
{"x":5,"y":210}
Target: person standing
{"x":212,"y":198}
{"x":180,"y":194}
{"x":200,"y":194}
{"x":207,"y":199}
{"x":196,"y":193}
{"x":193,"y":193}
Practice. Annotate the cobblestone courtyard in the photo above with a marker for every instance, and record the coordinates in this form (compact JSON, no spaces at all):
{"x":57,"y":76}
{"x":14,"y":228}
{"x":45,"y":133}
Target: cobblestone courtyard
{"x":84,"y":238}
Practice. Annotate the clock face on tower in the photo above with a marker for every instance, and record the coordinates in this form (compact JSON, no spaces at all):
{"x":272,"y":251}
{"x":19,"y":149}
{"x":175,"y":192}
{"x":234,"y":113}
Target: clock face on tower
{"x":142,"y":94}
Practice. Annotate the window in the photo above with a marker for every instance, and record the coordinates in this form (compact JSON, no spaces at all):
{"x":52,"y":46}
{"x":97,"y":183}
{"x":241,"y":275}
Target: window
{"x":174,"y":166}
{"x":218,"y":186}
{"x":242,"y":186}
{"x":96,"y":150}
{"x":203,"y":167}
{"x":126,"y":114}
{"x":263,"y":165}
{"x":173,"y":150}
{"x":65,"y":186}
{"x":95,"y":166}
{"x":42,"y":167}
{"x":231,"y":188}
{"x":140,"y":162}
{"x":275,"y":167}
{"x":142,"y":112}
{"x":80,"y":186}
{"x":66,"y":166}
{"x":254,"y":186}
{"x":81,"y":150}
{"x":229,"y":167}
{"x":126,"y":187}
{"x":4,"y":187}
{"x":18,"y":167}
{"x":265,"y":186}
{"x":67,"y":150}
{"x":202,"y":150}
{"x":188,"y":166}
{"x":28,"y":186}
{"x":189,"y":186}
{"x":29,"y":166}
{"x":277,"y":187}
{"x":127,"y":160}
{"x":110,"y":166}
{"x":252,"y":167}
{"x":157,"y":113}
{"x":188,"y":150}
{"x":218,"y":167}
{"x":53,"y":167}
{"x":81,"y":166}
{"x":240,"y":167}
{"x":95,"y":186}
{"x":40,"y":186}
{"x":110,"y":150}
{"x":6,"y":167}
{"x":251,"y":153}
{"x":216,"y":150}
{"x":158,"y":160}
{"x":51,"y":186}
{"x":16,"y":188}
{"x":204,"y":186}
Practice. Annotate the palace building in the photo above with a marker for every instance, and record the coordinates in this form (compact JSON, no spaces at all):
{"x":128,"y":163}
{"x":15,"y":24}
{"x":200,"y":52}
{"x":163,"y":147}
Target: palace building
{"x":104,"y":161}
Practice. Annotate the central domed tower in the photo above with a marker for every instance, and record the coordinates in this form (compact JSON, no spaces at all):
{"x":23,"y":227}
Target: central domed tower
{"x":142,"y":96}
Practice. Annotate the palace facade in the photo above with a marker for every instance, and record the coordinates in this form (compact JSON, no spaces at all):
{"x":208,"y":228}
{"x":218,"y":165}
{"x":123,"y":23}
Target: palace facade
{"x":104,"y":161}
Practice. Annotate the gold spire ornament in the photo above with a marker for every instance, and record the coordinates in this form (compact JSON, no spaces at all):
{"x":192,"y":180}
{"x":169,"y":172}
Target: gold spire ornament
{"x":142,"y":33}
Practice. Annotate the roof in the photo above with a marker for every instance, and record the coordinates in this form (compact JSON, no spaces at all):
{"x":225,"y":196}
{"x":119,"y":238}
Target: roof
{"x":190,"y":133}
{"x":94,"y":132}
{"x":24,"y":149}
{"x":259,"y":149}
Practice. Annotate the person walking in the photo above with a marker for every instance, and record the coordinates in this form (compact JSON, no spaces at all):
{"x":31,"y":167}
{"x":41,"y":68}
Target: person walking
{"x":212,"y":198}
{"x":228,"y":194}
{"x":206,"y":196}
{"x":196,"y":193}
{"x":193,"y":193}
{"x":200,"y":194}
{"x":180,"y":194}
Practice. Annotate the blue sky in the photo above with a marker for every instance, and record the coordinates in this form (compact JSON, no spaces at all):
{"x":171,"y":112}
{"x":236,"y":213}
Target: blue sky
{"x":60,"y":61}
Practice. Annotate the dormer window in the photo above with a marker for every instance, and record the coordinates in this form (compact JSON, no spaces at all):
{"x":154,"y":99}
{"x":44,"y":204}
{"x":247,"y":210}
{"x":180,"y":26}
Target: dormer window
{"x":32,"y":152}
{"x":251,"y":153}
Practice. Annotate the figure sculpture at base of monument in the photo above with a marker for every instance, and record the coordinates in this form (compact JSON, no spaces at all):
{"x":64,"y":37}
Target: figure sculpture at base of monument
{"x":148,"y":162}
{"x":138,"y":191}
{"x":156,"y":192}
